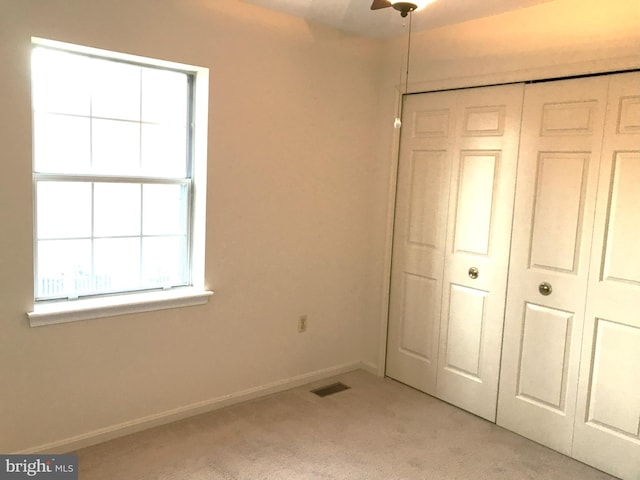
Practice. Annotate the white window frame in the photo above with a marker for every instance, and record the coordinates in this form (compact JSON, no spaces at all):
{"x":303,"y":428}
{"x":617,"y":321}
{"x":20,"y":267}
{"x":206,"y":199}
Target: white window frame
{"x":62,"y":311}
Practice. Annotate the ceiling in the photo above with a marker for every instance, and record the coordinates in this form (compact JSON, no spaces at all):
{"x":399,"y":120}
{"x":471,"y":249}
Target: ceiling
{"x":356,"y":18}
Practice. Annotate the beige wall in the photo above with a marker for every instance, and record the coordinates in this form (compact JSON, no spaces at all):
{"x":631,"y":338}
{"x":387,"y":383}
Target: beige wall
{"x":301,"y":184}
{"x":287,"y":228}
{"x":557,"y":38}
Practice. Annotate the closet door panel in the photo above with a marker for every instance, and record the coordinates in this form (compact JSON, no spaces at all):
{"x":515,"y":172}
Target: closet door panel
{"x":553,"y":218}
{"x":477,"y":247}
{"x":546,"y":343}
{"x":557,"y":216}
{"x":464,"y":337}
{"x":620,"y":259}
{"x":475,"y":202}
{"x":419,"y":239}
{"x":607,"y":422}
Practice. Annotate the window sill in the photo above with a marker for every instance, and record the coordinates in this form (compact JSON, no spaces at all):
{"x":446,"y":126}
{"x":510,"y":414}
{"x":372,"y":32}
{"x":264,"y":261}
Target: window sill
{"x":86,"y":309}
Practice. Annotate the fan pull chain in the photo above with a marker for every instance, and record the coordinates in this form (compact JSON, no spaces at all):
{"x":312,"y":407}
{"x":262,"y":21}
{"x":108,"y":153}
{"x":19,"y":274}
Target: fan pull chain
{"x":406,"y":79}
{"x":397,"y":123}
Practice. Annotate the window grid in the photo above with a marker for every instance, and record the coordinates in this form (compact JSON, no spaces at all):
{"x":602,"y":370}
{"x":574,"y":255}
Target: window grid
{"x":42,"y":294}
{"x":185,"y":182}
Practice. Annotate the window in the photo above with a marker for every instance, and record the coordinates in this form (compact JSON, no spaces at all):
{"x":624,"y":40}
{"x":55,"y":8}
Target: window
{"x":113,"y":173}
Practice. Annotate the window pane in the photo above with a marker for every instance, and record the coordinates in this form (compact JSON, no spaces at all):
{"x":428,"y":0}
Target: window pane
{"x":64,"y":268}
{"x":61,"y":143}
{"x":116,"y":263}
{"x":63,"y":209}
{"x":164,"y":261}
{"x":107,"y":123}
{"x":164,"y":210}
{"x":60,"y":82}
{"x":116,"y":147}
{"x":116,"y":209}
{"x":116,"y":90}
{"x":164,"y":150}
{"x":164,"y":96}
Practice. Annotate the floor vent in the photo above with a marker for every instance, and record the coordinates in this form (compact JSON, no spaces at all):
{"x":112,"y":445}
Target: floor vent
{"x":330,"y":389}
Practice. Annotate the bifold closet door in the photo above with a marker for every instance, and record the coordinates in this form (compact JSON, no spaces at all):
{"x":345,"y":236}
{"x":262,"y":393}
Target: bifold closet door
{"x":419,"y":238}
{"x":477,"y":247}
{"x":451,"y":243}
{"x":607,"y":424}
{"x":559,"y":157}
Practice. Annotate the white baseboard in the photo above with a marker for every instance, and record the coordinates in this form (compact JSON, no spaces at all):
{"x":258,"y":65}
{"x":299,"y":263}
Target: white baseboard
{"x":119,"y":430}
{"x":371,"y":368}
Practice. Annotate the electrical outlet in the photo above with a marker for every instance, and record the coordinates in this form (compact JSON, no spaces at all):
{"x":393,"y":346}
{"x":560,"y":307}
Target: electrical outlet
{"x":302,"y":324}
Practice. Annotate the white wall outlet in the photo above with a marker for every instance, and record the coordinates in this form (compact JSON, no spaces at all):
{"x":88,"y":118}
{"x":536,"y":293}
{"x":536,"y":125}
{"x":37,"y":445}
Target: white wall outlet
{"x":302,"y":323}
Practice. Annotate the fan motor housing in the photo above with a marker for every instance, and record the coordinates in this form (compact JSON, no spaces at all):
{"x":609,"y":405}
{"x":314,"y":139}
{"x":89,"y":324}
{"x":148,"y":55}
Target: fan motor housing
{"x":404,"y":7}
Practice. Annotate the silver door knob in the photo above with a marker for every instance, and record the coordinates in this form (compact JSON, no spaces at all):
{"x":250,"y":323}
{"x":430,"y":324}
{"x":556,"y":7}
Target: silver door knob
{"x":545,"y":288}
{"x":474,"y":272}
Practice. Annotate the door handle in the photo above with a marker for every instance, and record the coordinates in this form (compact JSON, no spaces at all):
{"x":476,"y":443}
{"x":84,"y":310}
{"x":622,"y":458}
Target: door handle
{"x":474,"y":272}
{"x":545,"y":288}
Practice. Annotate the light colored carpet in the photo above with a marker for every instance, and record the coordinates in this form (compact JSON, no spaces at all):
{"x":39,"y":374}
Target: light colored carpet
{"x":379,"y":429}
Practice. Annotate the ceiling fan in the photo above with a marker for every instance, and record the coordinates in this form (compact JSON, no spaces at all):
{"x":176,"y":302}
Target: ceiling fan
{"x":403,"y":7}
